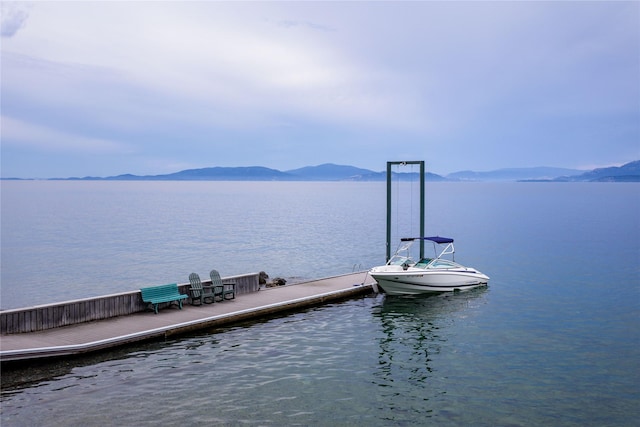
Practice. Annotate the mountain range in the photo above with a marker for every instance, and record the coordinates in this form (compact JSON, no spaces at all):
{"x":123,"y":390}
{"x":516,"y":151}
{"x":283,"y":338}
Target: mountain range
{"x":629,"y":172}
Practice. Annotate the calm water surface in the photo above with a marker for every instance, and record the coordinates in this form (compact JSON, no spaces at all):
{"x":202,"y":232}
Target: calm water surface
{"x":553,"y":340}
{"x":82,"y":239}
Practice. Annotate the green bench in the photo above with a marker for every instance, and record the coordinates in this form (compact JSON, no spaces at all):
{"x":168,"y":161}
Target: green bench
{"x":165,"y":293}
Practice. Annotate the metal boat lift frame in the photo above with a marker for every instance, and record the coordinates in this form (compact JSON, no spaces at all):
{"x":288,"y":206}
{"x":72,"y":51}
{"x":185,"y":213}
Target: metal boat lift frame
{"x":389,"y":198}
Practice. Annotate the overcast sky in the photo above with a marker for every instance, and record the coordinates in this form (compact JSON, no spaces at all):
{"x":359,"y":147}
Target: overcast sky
{"x":106,"y":88}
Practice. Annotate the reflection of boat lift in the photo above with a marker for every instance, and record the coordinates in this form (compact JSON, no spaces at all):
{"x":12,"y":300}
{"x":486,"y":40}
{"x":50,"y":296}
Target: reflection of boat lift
{"x":425,"y":317}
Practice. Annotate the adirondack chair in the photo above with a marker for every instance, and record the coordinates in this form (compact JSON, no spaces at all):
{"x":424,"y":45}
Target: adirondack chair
{"x":223,"y":290}
{"x":198,"y":292}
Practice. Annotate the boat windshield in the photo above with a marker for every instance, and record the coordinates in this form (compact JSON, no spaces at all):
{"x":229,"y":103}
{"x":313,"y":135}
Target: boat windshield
{"x":400,"y":260}
{"x":423,"y":263}
{"x":443,"y":263}
{"x":405,"y":254}
{"x":435,"y":263}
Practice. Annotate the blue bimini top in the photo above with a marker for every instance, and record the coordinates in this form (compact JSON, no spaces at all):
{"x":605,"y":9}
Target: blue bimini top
{"x":436,"y":239}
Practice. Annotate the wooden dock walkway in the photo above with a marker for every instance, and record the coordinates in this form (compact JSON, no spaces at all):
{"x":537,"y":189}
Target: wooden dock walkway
{"x":103,"y":334}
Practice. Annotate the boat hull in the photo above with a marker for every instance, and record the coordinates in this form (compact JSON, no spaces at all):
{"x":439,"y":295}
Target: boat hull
{"x":420,"y":282}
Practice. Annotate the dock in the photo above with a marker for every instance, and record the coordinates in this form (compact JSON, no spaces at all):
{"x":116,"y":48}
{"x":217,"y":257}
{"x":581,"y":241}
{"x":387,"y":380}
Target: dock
{"x":103,"y":334}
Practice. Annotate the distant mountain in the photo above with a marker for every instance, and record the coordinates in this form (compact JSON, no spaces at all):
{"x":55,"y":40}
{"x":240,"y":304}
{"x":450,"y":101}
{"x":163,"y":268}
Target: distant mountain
{"x":250,"y":173}
{"x":331,"y":172}
{"x":514,"y":174}
{"x":629,"y":172}
{"x":324,"y":172}
{"x":407,"y":176}
{"x":328,"y":172}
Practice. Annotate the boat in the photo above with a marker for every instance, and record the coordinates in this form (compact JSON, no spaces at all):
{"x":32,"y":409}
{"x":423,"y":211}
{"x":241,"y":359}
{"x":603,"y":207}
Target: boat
{"x":401,"y":275}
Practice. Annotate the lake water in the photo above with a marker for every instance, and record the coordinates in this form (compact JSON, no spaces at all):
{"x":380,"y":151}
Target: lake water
{"x":553,"y":340}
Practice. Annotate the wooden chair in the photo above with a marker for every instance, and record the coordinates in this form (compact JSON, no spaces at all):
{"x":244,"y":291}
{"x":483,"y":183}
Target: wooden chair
{"x":223,"y":290}
{"x":199,"y":292}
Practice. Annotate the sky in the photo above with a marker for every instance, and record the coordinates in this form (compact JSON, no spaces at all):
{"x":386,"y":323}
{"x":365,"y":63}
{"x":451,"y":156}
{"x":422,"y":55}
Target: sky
{"x":106,"y":88}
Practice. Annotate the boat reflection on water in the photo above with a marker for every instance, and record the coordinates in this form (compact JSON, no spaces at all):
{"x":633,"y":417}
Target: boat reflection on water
{"x":415,"y":331}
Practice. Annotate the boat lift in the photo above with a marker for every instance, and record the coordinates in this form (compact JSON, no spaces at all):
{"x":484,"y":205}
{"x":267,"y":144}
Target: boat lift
{"x":389,"y":198}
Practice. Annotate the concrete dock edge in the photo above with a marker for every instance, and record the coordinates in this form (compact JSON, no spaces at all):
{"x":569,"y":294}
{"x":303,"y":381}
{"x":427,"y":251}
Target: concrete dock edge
{"x":106,"y":334}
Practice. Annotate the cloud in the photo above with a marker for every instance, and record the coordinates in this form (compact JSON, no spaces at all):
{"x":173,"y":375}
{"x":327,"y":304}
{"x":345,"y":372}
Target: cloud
{"x":14,"y":17}
{"x":288,"y":23}
{"x":367,"y":82}
{"x":21,"y":134}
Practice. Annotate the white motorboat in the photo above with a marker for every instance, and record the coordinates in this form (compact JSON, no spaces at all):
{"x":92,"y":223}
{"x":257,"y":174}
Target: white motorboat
{"x":401,"y":275}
